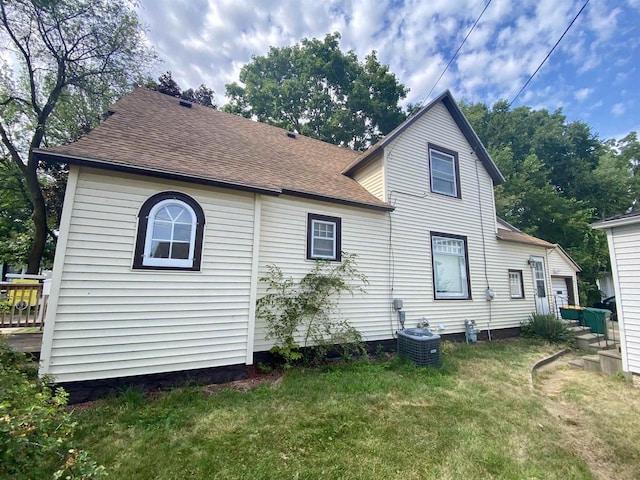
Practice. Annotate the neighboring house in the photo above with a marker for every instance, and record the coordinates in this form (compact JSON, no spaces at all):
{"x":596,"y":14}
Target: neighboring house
{"x":174,"y":211}
{"x":623,"y":236}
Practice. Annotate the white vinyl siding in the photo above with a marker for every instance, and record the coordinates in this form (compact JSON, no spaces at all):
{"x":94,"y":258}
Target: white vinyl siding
{"x":113,"y":321}
{"x":418,"y":213}
{"x":560,"y":266}
{"x":371,"y":177}
{"x":364,"y":233}
{"x":624,"y":245}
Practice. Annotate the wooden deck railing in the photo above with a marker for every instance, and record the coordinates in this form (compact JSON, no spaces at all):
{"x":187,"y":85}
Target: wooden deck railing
{"x":22,"y":305}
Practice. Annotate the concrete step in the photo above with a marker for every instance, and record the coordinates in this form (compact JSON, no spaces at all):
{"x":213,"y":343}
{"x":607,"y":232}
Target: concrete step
{"x":592,"y":363}
{"x":577,"y":330}
{"x":591,"y":341}
{"x":610,"y":361}
{"x":577,"y":363}
{"x":570,"y":323}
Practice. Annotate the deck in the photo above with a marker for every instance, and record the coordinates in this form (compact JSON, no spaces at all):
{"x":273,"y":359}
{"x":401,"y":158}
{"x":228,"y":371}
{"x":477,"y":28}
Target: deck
{"x":25,"y":342}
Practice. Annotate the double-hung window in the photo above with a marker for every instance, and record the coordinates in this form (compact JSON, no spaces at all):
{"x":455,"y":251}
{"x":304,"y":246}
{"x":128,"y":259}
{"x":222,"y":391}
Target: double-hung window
{"x":443,"y":165}
{"x":450,"y":266}
{"x":323,"y":237}
{"x":516,"y":287}
{"x":170,"y":230}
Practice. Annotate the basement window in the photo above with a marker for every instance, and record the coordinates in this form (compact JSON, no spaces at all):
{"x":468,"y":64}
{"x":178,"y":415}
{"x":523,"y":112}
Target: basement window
{"x":170,"y":230}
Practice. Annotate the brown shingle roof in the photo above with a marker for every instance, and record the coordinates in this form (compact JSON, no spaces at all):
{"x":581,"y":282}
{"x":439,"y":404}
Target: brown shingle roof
{"x":153,"y":134}
{"x":521,"y":237}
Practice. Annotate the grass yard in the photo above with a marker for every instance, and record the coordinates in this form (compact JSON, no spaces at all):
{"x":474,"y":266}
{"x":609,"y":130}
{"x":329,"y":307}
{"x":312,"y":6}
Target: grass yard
{"x":477,"y":417}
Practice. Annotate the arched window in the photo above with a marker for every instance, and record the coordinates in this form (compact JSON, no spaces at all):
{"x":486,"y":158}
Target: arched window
{"x":170,"y":228}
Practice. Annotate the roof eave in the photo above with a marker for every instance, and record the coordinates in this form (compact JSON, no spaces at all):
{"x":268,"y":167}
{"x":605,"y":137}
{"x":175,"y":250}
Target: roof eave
{"x":618,"y":222}
{"x":48,"y":156}
{"x":463,"y":124}
{"x":325,"y":198}
{"x":526,"y":242}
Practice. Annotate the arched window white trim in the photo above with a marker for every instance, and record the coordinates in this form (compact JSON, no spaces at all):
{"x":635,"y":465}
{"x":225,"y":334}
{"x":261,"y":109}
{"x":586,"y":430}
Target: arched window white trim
{"x":171,"y":234}
{"x":170,"y":228}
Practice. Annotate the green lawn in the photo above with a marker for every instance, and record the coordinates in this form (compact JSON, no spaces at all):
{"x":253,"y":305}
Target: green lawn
{"x":477,"y":417}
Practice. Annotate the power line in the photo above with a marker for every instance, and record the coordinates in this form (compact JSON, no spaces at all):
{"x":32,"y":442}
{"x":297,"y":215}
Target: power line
{"x":548,"y":54}
{"x":455,"y":54}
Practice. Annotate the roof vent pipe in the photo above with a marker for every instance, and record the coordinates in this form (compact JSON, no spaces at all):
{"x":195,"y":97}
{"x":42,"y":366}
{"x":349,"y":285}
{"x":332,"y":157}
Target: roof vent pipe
{"x":291,"y":135}
{"x":185,"y":104}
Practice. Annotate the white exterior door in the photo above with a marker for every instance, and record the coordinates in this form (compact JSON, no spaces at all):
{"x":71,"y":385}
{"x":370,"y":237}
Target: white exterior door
{"x":540,"y":285}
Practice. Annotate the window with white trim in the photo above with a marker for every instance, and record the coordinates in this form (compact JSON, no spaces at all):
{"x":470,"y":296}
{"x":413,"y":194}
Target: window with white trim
{"x":170,"y":230}
{"x":450,"y":267}
{"x":516,"y":286}
{"x":323,"y":237}
{"x":443,"y":165}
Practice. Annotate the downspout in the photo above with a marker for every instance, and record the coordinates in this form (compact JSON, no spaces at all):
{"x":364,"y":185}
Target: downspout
{"x":489,"y":294}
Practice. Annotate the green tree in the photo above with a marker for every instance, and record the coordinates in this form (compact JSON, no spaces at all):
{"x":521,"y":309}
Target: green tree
{"x":560,"y":178}
{"x":203,"y":95}
{"x":315,"y":89}
{"x":59,"y":50}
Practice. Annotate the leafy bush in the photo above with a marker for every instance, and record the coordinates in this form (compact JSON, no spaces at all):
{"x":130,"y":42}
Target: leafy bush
{"x":5,"y":307}
{"x":546,"y":327}
{"x":307,"y":311}
{"x":36,"y":433}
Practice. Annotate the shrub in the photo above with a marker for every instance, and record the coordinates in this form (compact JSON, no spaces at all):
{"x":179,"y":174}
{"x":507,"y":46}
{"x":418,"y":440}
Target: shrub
{"x":302,"y":316}
{"x":546,"y":327}
{"x":36,"y":433}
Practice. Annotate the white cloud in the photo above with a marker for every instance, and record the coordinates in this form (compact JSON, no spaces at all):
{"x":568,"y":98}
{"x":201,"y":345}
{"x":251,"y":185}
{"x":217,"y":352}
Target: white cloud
{"x":618,"y":109}
{"x":208,"y":41}
{"x":582,"y":94}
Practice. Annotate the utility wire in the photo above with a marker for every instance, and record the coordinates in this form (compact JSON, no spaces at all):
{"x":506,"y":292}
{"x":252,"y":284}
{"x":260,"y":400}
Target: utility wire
{"x":454,"y":56}
{"x":548,"y":54}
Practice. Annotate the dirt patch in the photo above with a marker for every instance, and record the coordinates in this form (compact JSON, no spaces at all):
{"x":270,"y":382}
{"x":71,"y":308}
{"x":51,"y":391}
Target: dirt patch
{"x":253,"y":380}
{"x":579,"y":433}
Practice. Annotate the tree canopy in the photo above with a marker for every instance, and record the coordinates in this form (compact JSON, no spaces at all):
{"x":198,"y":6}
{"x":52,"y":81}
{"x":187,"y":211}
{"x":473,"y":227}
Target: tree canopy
{"x":66,"y":60}
{"x":203,"y":95}
{"x":315,"y":89}
{"x":560,"y":178}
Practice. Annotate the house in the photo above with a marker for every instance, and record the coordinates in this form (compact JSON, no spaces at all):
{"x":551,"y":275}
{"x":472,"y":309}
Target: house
{"x":173,"y":212}
{"x":623,"y":237}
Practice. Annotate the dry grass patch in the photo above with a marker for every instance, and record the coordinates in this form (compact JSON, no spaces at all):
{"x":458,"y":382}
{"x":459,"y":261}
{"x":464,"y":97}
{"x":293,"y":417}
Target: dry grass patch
{"x":599,"y":418}
{"x":476,"y":417}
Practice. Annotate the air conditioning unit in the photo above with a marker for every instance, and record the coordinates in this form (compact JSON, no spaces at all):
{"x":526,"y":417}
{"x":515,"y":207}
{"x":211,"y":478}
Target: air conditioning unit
{"x":421,"y":346}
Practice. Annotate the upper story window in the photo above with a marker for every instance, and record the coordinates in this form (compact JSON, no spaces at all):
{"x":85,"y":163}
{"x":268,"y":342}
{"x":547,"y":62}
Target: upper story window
{"x":450,"y":266}
{"x":323,"y":237}
{"x":170,"y":230}
{"x":443,"y":165}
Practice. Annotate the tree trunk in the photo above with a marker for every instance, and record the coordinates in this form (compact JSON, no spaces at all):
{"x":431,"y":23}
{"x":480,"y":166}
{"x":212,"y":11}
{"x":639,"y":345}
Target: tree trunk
{"x":39,"y":217}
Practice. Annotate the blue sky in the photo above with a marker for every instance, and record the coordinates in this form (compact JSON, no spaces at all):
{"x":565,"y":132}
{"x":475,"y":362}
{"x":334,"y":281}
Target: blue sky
{"x":593,"y":75}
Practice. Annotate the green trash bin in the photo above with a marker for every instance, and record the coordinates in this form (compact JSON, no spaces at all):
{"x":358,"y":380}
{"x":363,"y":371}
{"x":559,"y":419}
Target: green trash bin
{"x":596,"y":319}
{"x":571,"y":312}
